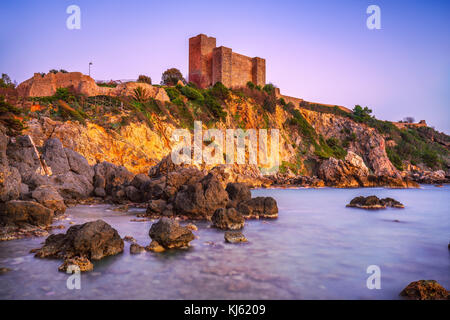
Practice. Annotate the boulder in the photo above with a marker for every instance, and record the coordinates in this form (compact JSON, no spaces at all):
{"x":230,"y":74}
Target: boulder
{"x":234,"y":237}
{"x":82,"y":263}
{"x":140,"y":180}
{"x":21,"y":213}
{"x":136,"y":249}
{"x":71,"y":185}
{"x":10,"y":183}
{"x":79,"y":164}
{"x":259,"y":207}
{"x":199,"y":200}
{"x":50,"y":198}
{"x":23,"y":155}
{"x":228,"y":219}
{"x":237,"y":193}
{"x":339,"y":173}
{"x":156,"y":207}
{"x":373,"y":202}
{"x":109,"y":176}
{"x":55,"y":156}
{"x":425,"y":290}
{"x":169,"y":234}
{"x":93,"y":240}
{"x":154,"y":246}
{"x":133,"y":194}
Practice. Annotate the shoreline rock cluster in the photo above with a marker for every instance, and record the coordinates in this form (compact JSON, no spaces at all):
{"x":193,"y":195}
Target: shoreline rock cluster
{"x":373,"y":202}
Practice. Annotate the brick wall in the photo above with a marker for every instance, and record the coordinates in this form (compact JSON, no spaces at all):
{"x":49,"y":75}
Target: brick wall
{"x":209,"y":64}
{"x":200,"y":59}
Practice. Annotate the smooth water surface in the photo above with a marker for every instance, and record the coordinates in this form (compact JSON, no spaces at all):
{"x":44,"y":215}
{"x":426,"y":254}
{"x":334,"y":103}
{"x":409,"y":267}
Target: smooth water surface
{"x":316,"y":249}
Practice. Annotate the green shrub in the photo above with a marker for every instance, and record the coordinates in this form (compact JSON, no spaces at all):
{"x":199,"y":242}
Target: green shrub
{"x":220,"y":91}
{"x":281,"y":102}
{"x":270,"y":104}
{"x":269,"y":89}
{"x":215,"y":107}
{"x":250,"y":85}
{"x":394,"y":158}
{"x":173,"y":93}
{"x":192,"y":93}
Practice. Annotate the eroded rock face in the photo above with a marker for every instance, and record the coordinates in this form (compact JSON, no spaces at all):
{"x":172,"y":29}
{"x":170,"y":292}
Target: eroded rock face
{"x":341,"y":173}
{"x":23,"y":155}
{"x":373,"y":202}
{"x":93,"y":240}
{"x":20,"y":213}
{"x":199,"y":200}
{"x":259,"y":207}
{"x":228,"y":219}
{"x":10,"y":179}
{"x":169,"y":234}
{"x":54,"y":155}
{"x":10,"y":183}
{"x":50,"y":198}
{"x":112,"y":180}
{"x":425,"y":290}
{"x":369,"y":145}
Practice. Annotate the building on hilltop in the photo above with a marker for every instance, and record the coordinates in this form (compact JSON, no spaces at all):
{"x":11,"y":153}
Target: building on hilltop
{"x":209,"y":64}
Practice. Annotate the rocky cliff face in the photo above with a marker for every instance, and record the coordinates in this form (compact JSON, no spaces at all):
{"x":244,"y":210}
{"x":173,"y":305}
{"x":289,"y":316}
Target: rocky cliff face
{"x":369,"y":144}
{"x":137,"y":146}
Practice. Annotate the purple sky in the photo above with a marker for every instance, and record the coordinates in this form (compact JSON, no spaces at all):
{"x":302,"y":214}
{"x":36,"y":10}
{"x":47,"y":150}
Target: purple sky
{"x":317,"y":50}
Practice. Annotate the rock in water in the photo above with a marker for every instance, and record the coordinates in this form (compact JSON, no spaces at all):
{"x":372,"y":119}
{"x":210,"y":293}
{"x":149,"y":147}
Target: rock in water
{"x":425,"y":290}
{"x":154,"y":246}
{"x":389,"y":202}
{"x":136,"y":249}
{"x":50,"y":198}
{"x":228,"y":219}
{"x":81,"y":262}
{"x":234,"y":237}
{"x":259,"y":207}
{"x":20,"y":213}
{"x":237,"y":193}
{"x":93,"y":240}
{"x":373,"y":202}
{"x":168,"y":233}
{"x":199,"y":200}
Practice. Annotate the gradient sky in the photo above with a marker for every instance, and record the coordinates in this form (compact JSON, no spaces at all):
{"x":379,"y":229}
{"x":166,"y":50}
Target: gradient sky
{"x":318,"y":50}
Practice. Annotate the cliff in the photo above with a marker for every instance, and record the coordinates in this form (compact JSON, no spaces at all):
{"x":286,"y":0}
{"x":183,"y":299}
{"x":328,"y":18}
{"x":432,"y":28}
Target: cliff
{"x":135,"y":132}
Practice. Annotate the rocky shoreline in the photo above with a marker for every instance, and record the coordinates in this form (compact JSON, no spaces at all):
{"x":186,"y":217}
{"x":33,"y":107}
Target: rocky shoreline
{"x":38,"y":183}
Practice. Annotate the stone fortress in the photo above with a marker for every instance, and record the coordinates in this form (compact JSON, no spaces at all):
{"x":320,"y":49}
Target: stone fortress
{"x":209,"y":64}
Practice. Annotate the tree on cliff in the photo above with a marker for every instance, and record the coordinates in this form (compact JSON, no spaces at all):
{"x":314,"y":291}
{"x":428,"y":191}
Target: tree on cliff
{"x":171,"y":76}
{"x":360,"y":114}
{"x":5,"y":82}
{"x":144,"y":79}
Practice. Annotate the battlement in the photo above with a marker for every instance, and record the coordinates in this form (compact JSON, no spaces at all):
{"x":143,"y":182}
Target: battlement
{"x":209,"y":64}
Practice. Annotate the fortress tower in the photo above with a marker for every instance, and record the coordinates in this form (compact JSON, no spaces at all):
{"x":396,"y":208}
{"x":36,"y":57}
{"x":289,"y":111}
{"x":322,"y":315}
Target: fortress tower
{"x":209,"y":64}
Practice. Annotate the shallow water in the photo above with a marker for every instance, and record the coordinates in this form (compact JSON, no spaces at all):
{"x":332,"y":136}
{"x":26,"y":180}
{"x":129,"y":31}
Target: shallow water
{"x":316,"y":249}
